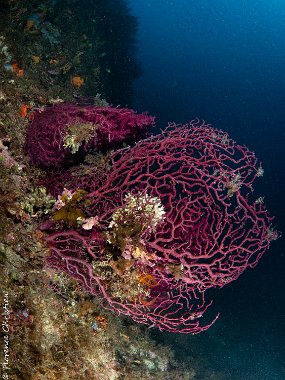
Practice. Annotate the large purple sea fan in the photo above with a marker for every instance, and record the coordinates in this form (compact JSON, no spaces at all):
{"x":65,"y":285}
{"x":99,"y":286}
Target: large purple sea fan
{"x":212,"y":228}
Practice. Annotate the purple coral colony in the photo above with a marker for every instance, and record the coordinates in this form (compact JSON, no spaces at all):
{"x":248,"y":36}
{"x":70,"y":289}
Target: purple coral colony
{"x":149,"y":227}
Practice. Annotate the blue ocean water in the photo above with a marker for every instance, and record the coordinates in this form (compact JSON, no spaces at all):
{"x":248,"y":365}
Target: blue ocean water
{"x":224,"y":61}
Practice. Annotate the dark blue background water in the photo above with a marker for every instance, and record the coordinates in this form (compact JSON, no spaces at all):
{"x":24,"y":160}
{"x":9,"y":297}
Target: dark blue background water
{"x":224,"y":61}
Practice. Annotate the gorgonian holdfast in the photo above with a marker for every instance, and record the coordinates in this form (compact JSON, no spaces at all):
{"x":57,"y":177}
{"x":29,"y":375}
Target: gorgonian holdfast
{"x":197,"y":184}
{"x":58,"y":135}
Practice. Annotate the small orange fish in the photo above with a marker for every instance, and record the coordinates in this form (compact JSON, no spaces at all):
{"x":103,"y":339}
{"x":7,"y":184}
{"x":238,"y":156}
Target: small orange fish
{"x":16,"y":69}
{"x":20,"y":72}
{"x":24,"y":110}
{"x":77,"y":81}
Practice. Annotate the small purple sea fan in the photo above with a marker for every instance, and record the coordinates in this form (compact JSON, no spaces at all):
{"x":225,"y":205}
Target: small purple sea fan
{"x":58,"y":133}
